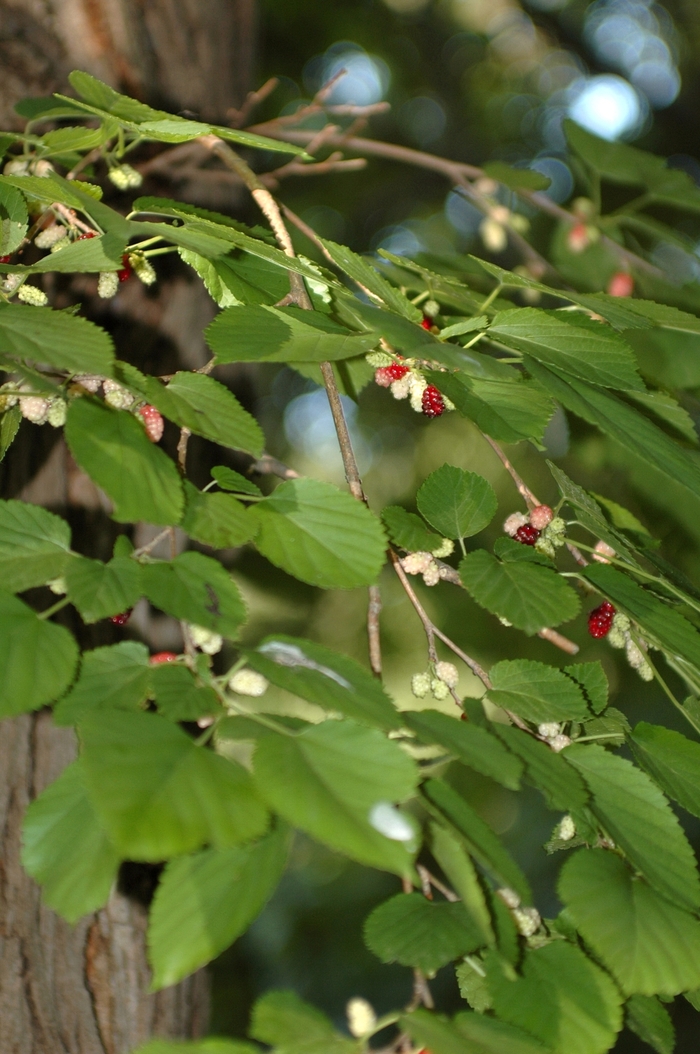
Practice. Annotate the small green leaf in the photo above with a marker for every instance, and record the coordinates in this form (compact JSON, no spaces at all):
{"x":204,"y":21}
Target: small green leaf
{"x":158,"y":794}
{"x":270,"y":334}
{"x":112,"y":447}
{"x":536,"y":692}
{"x":650,"y":1020}
{"x":99,"y":590}
{"x":115,"y":676}
{"x":319,"y":534}
{"x":218,"y":520}
{"x":292,"y":1026}
{"x":204,"y":902}
{"x":526,"y":594}
{"x":462,"y":876}
{"x":456,"y":503}
{"x":198,"y":589}
{"x":515,"y":178}
{"x":13,"y":219}
{"x":9,"y":427}
{"x":561,"y":785}
{"x":408,"y":531}
{"x":178,"y":696}
{"x":672,"y":760}
{"x":473,"y":987}
{"x":209,"y":409}
{"x":413,"y":931}
{"x":66,"y":341}
{"x":65,"y":848}
{"x":230,"y":480}
{"x":590,"y":676}
{"x":474,"y":746}
{"x":467,"y":1033}
{"x":648,"y":944}
{"x":34,"y":545}
{"x":37,"y":658}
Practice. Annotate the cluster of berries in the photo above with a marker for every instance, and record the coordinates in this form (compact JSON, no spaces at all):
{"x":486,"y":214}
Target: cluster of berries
{"x":605,"y":621}
{"x":600,"y":620}
{"x":407,"y":382}
{"x":426,"y":564}
{"x":551,"y":733}
{"x":444,"y":678}
{"x":35,"y":408}
{"x":541,"y":529}
{"x":527,"y":920}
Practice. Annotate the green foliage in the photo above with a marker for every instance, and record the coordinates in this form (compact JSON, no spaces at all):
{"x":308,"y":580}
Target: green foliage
{"x":535,"y":691}
{"x":651,"y":1021}
{"x":37,"y":658}
{"x":34,"y":545}
{"x":413,"y":931}
{"x":458,"y":504}
{"x":197,"y":588}
{"x":291,"y":1026}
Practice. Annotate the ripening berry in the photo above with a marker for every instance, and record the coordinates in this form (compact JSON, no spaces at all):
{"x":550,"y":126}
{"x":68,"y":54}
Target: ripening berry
{"x":6,"y":259}
{"x":602,"y":551}
{"x":125,"y":272}
{"x":86,"y":234}
{"x":432,"y":403}
{"x":426,"y":322}
{"x":621,"y":284}
{"x":541,"y":517}
{"x":577,"y":238}
{"x":527,"y":534}
{"x":161,"y":657}
{"x":153,"y":420}
{"x":385,"y":375}
{"x":122,"y":618}
{"x":600,"y":620}
{"x":447,"y":672}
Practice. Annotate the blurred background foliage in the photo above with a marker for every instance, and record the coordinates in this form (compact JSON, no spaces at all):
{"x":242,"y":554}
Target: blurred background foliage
{"x":473,"y":80}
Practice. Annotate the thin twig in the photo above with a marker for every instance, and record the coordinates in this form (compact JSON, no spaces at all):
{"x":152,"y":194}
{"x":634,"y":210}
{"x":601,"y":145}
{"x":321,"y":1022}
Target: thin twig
{"x":374,"y":608}
{"x":182,"y":449}
{"x":447,"y":893}
{"x":238,"y":117}
{"x":270,"y":466}
{"x":523,"y":489}
{"x":152,"y":544}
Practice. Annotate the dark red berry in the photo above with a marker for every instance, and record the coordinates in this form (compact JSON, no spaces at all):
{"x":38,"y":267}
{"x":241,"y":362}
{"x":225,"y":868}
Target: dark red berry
{"x":125,"y":272}
{"x":600,"y":620}
{"x":86,"y":234}
{"x":161,"y":657}
{"x":527,"y":534}
{"x":426,"y":323}
{"x":5,"y":259}
{"x":122,"y":618}
{"x":432,"y":403}
{"x":386,"y":375}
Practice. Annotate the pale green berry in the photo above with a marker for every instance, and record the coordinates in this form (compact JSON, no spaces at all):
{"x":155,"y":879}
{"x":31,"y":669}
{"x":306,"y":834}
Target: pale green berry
{"x":143,"y":269}
{"x":527,"y":920}
{"x":248,"y":682}
{"x":448,"y":673}
{"x":50,"y":236}
{"x":566,"y":829}
{"x":420,"y":685}
{"x":58,"y":586}
{"x":439,"y":689}
{"x":431,"y":308}
{"x":31,"y":294}
{"x":377,"y":359}
{"x":361,"y":1017}
{"x":107,"y":284}
{"x":445,"y":548}
{"x":206,"y":640}
{"x":58,"y":411}
{"x":116,"y":395}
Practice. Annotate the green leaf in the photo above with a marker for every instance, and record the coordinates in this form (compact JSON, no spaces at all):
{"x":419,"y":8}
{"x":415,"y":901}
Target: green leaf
{"x":209,"y":409}
{"x":34,"y":545}
{"x":92,"y":255}
{"x":65,"y":849}
{"x":573,"y":343}
{"x":178,"y":696}
{"x":332,"y":681}
{"x":668,"y":411}
{"x":413,"y":931}
{"x":536,"y":691}
{"x":463,"y":878}
{"x":66,"y":341}
{"x":361,"y":271}
{"x":526,"y":594}
{"x":507,"y":410}
{"x":329,"y":781}
{"x":473,"y":987}
{"x":9,"y":427}
{"x":515,"y":178}
{"x":319,"y":534}
{"x":662,"y":622}
{"x":198,"y":589}
{"x":561,"y":785}
{"x":218,"y":519}
{"x":588,"y":512}
{"x":672,"y":760}
{"x":115,"y":676}
{"x":638,"y":818}
{"x":650,"y":1020}
{"x":227,"y":479}
{"x":477,"y":836}
{"x":292,"y":1026}
{"x":202,"y":1046}
{"x":112,"y":447}
{"x":409,"y":531}
{"x":562,"y":998}
{"x":270,"y":334}
{"x":204,"y":902}
{"x":468,"y":1033}
{"x":37,"y":658}
{"x":13,"y":219}
{"x":590,"y":676}
{"x":456,"y":503}
{"x":158,"y":794}
{"x":472,"y":745}
{"x":648,"y":944}
{"x":99,"y":590}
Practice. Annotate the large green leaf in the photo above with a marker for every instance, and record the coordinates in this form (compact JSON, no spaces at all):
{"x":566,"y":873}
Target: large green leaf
{"x":198,"y":589}
{"x":456,"y":503}
{"x":204,"y":902}
{"x":331,"y":781}
{"x":112,"y":447}
{"x":292,"y":1026}
{"x":268,"y":334}
{"x":37,"y":658}
{"x":319,"y":534}
{"x":34,"y":545}
{"x":158,"y":794}
{"x":413,"y":931}
{"x":638,"y":818}
{"x":650,"y":945}
{"x":65,"y":848}
{"x":561,"y":785}
{"x":13,"y":219}
{"x":536,"y":691}
{"x":477,"y":836}
{"x":507,"y":410}
{"x":474,"y":746}
{"x":672,"y":760}
{"x":99,"y":590}
{"x":462,"y":876}
{"x":92,"y":255}
{"x":66,"y":341}
{"x":574,"y":343}
{"x":361,"y":271}
{"x":218,"y":519}
{"x":526,"y":594}
{"x":115,"y":676}
{"x":562,"y":998}
{"x":468,"y":1033}
{"x":322,"y":676}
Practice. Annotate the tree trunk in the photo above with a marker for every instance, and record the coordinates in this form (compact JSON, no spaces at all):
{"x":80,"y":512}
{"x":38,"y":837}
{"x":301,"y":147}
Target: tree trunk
{"x":84,"y":990}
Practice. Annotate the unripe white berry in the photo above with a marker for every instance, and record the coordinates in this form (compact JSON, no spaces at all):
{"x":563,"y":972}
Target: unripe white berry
{"x":559,"y":743}
{"x":142,"y":268}
{"x":107,"y":284}
{"x":89,"y":381}
{"x":446,"y":548}
{"x":16,"y":168}
{"x":500,"y":214}
{"x":431,"y":575}
{"x":549,"y":729}
{"x":41,"y":168}
{"x":116,"y":395}
{"x":50,"y":236}
{"x":248,"y":682}
{"x":447,"y":672}
{"x":206,"y":640}
{"x":493,"y":235}
{"x":416,"y":386}
{"x":486,"y":186}
{"x":10,"y":282}
{"x":602,"y":551}
{"x":34,"y":408}
{"x":439,"y":689}
{"x":400,"y":389}
{"x":125,"y":177}
{"x":58,"y":411}
{"x":431,"y":308}
{"x":566,"y":829}
{"x":514,"y":522}
{"x":509,"y":897}
{"x":416,"y":563}
{"x":527,"y":920}
{"x":420,"y":685}
{"x":31,"y":294}
{"x":361,"y":1017}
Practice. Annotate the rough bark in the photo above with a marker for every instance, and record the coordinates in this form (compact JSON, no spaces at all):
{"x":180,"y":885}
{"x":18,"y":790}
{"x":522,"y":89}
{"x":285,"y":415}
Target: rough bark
{"x":84,"y":989}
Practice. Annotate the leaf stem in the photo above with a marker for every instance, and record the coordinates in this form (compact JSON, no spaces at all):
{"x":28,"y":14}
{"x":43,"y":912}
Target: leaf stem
{"x":54,"y":608}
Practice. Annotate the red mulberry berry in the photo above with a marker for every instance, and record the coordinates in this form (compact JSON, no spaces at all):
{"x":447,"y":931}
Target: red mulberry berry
{"x":621,"y":284}
{"x":5,"y":259}
{"x":153,"y":421}
{"x":122,"y":618}
{"x":432,"y":403}
{"x":86,"y":234}
{"x":125,"y":272}
{"x":600,"y":620}
{"x":426,"y":322}
{"x":161,"y":657}
{"x":527,"y":534}
{"x":386,"y":375}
